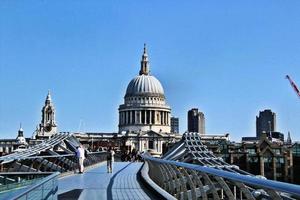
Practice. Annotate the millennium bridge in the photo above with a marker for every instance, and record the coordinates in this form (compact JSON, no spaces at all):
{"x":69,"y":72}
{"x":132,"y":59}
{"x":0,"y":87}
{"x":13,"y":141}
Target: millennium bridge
{"x":187,"y":171}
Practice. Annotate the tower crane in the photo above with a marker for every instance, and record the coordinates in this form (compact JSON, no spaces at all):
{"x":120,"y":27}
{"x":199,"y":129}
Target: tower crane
{"x":294,"y":86}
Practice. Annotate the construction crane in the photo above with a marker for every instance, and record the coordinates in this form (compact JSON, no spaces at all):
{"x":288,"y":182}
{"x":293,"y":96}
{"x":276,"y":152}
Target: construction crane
{"x":294,"y":86}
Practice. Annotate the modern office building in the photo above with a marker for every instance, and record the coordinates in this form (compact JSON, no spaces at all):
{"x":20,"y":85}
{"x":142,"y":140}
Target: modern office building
{"x":174,"y":125}
{"x":265,"y":122}
{"x":196,"y":121}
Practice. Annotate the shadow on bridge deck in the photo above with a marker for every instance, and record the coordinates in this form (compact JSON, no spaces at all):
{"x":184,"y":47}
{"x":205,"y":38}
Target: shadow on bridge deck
{"x":96,"y":183}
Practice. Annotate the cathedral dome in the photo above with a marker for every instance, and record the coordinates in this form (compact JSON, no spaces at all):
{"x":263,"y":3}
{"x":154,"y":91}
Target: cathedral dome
{"x":144,"y":85}
{"x":145,"y":106}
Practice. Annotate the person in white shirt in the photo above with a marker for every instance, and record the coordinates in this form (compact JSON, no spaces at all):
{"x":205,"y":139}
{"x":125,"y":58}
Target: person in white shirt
{"x":80,"y":156}
{"x":110,"y":160}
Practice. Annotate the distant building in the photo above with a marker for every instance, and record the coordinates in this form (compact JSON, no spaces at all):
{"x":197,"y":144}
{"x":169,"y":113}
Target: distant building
{"x":260,"y":157}
{"x":296,"y":162}
{"x":174,"y":125}
{"x":249,"y":139}
{"x":276,"y":136}
{"x":21,"y":141}
{"x":45,"y":130}
{"x":196,"y":121}
{"x":289,"y":140}
{"x":48,"y":126}
{"x":8,"y":146}
{"x":265,"y":122}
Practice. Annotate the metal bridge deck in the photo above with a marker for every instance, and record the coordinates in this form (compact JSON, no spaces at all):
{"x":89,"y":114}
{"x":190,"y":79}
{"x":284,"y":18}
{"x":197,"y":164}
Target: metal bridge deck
{"x":98,"y":184}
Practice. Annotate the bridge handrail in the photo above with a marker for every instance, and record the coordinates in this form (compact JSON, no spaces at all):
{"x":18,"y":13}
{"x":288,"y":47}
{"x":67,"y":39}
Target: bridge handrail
{"x":251,"y":180}
{"x":24,"y":173}
{"x":59,"y":155}
{"x":35,"y":186}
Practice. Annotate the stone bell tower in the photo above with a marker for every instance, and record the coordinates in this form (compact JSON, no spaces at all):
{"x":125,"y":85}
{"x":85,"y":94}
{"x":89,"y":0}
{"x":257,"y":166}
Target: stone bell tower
{"x":48,"y":126}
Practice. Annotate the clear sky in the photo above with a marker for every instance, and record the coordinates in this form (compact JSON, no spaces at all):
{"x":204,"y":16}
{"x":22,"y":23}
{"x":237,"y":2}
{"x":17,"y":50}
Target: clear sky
{"x":227,"y":58}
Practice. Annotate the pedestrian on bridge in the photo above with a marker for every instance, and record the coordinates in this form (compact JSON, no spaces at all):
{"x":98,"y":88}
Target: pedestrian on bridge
{"x":110,"y":160}
{"x":80,"y":156}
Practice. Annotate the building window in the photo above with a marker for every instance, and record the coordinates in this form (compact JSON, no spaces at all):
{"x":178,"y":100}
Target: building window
{"x":281,"y":160}
{"x":251,"y":151}
{"x":252,"y":159}
{"x":277,"y":151}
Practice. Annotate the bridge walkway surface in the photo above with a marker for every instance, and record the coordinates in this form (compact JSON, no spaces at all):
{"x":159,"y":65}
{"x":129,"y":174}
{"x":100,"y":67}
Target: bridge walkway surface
{"x":96,"y":183}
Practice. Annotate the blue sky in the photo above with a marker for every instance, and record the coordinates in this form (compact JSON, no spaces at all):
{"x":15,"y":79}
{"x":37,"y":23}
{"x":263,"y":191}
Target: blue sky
{"x":228,"y":59}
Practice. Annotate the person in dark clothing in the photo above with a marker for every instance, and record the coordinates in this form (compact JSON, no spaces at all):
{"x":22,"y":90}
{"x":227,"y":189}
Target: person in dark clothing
{"x":110,"y":160}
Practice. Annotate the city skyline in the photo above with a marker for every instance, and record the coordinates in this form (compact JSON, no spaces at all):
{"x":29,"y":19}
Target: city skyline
{"x":227,"y":59}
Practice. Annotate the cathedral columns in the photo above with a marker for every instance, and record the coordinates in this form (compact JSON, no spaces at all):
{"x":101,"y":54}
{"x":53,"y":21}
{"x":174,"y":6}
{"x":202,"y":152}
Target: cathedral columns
{"x":168,"y":118}
{"x":153,"y":116}
{"x":146,"y":117}
{"x":143,"y":116}
{"x":123,"y":117}
{"x":133,"y":115}
{"x":166,"y":114}
{"x":130,"y":117}
{"x":140,"y":117}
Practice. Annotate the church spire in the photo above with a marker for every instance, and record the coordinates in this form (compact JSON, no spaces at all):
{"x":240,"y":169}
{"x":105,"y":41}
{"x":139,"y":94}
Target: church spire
{"x":48,"y":98}
{"x":20,"y":132}
{"x":48,"y":126}
{"x":144,"y":62}
{"x":289,"y":140}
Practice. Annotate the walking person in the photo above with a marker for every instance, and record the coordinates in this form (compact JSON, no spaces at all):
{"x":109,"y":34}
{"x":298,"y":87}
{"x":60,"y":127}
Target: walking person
{"x":80,"y":156}
{"x":110,"y":160}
